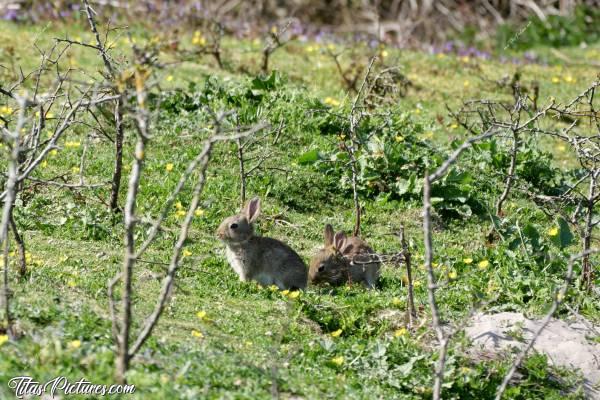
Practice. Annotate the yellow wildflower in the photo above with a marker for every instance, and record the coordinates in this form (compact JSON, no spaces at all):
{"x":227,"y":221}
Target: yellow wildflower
{"x":452,"y":275}
{"x":71,"y":284}
{"x":310,"y":49}
{"x":198,"y":39}
{"x":44,"y":164}
{"x":331,"y":101}
{"x":338,"y":360}
{"x":3,"y":339}
{"x":399,"y":138}
{"x":294,"y":294}
{"x":75,"y":170}
{"x":201,"y":314}
{"x":465,"y":59}
{"x":466,"y":83}
{"x":54,"y":152}
{"x":199,"y":212}
{"x":336,"y":333}
{"x":285,"y":292}
{"x":396,"y":301}
{"x":169,"y":167}
{"x":483,"y":264}
{"x":72,"y":144}
{"x":197,"y":334}
{"x":467,"y":260}
{"x":453,"y":126}
{"x":180,"y":213}
{"x":555,"y":79}
{"x":178,"y":205}
{"x":273,"y":288}
{"x":74,"y":344}
{"x":568,"y":79}
{"x":553,"y":231}
{"x":186,"y":253}
{"x":400,"y":332}
{"x":169,"y":78}
{"x":384,"y":54}
{"x":5,"y":110}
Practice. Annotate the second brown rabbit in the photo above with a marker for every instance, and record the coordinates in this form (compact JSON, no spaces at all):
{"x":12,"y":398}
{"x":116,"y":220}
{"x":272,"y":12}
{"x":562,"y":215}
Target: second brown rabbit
{"x":344,"y":259}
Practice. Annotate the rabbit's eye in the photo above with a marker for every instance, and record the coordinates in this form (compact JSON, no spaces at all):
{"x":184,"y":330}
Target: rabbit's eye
{"x":233,"y":226}
{"x":321,"y":267}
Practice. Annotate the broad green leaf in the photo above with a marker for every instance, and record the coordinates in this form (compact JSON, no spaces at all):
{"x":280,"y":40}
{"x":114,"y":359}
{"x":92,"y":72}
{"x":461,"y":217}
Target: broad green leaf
{"x":309,"y":157}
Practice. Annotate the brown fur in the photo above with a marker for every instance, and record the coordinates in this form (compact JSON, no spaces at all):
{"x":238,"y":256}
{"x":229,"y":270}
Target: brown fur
{"x":342,"y":260}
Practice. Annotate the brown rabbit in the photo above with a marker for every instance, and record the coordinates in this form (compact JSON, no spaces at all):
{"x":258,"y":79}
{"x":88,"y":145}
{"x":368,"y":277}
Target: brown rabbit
{"x":344,"y":259}
{"x":265,"y":260}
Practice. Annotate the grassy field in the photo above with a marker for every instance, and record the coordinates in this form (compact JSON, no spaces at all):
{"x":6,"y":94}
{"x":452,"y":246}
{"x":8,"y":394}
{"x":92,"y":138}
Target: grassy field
{"x":222,"y":338}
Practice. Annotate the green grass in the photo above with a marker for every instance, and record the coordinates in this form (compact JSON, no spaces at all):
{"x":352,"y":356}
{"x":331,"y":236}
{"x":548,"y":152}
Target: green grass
{"x":255,"y":340}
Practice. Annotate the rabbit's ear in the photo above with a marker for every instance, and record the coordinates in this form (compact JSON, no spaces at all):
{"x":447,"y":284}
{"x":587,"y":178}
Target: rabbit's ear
{"x":339,"y":241}
{"x":252,"y":210}
{"x":328,"y":235}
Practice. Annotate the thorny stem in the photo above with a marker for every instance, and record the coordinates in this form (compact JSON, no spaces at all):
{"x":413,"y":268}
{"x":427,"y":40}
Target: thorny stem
{"x":351,"y":150}
{"x":431,"y":287}
{"x":12,"y":140}
{"x":587,"y":271}
{"x":511,"y":173}
{"x":20,"y":245}
{"x":123,"y":356}
{"x":242,"y":173}
{"x":410,"y":309}
{"x":118,"y":166}
{"x":118,"y":114}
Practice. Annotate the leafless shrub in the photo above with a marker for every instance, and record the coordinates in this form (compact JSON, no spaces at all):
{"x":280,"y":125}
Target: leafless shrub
{"x":254,"y":154}
{"x":203,"y":46}
{"x":514,"y":120}
{"x":577,"y":203}
{"x":351,"y":74}
{"x":111,"y":76}
{"x":276,"y":38}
